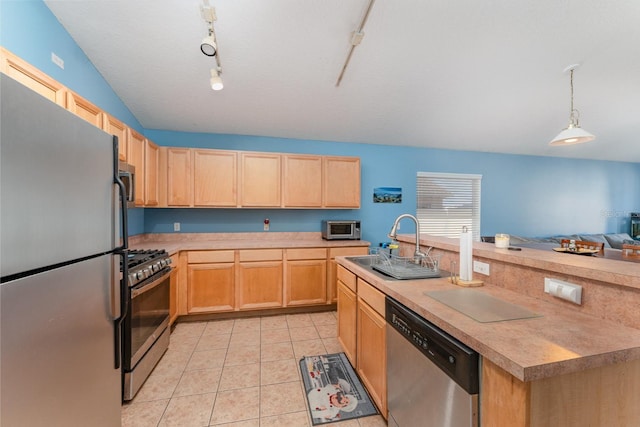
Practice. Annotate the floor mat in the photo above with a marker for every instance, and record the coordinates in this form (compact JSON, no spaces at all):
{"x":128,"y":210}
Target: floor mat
{"x":334,"y":391}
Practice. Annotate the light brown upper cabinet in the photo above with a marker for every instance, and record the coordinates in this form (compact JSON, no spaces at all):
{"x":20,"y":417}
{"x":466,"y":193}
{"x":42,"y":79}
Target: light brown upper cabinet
{"x":179,"y":177}
{"x":301,"y":181}
{"x":84,"y":109}
{"x":215,"y":178}
{"x":32,"y":78}
{"x":151,"y":173}
{"x":116,"y":127}
{"x":260,"y":179}
{"x":135,"y":157}
{"x":341,"y":182}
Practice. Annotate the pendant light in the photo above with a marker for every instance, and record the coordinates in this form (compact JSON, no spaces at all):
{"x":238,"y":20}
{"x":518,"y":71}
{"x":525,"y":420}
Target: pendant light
{"x":572,"y":134}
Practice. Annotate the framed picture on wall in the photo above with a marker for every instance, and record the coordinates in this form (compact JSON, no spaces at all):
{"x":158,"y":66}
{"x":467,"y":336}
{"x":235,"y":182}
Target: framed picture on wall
{"x":387,"y":195}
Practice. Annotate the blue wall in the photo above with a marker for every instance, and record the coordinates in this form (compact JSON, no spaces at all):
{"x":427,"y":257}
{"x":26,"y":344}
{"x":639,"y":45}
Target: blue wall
{"x":524,"y":195}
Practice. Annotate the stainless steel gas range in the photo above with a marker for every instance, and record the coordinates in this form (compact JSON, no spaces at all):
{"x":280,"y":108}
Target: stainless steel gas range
{"x":145,"y":334}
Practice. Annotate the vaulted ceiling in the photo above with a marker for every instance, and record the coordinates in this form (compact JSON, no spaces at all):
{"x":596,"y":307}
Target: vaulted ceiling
{"x":462,"y":75}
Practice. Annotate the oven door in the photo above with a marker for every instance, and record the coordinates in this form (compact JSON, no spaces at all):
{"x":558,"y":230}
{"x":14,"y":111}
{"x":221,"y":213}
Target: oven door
{"x":148,"y":315}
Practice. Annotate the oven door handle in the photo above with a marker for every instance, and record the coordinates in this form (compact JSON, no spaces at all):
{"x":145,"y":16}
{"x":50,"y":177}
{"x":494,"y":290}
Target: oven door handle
{"x":135,"y":292}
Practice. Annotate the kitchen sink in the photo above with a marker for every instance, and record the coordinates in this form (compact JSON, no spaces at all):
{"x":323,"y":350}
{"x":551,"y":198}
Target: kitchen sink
{"x":390,"y":267}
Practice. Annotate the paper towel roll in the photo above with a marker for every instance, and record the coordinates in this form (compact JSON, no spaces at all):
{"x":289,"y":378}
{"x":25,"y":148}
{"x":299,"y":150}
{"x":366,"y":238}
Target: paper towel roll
{"x":466,"y":254}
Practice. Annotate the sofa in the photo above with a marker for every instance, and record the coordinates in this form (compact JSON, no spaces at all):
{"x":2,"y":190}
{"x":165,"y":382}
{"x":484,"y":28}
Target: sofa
{"x":610,"y":240}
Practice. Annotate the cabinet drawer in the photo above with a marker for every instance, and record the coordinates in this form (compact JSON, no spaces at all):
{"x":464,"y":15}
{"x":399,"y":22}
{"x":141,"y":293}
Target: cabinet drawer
{"x":347,"y":277}
{"x":260,"y":255}
{"x":174,"y":261}
{"x":195,"y":257}
{"x":307,"y":253}
{"x":371,"y":296}
{"x":348,"y":251}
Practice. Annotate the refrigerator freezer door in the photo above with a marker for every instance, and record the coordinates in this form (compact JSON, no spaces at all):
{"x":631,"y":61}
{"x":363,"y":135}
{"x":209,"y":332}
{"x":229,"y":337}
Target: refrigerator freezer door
{"x":56,"y":183}
{"x":57,"y":348}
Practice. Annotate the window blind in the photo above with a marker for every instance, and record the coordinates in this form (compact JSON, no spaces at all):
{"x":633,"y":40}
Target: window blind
{"x":447,"y":202}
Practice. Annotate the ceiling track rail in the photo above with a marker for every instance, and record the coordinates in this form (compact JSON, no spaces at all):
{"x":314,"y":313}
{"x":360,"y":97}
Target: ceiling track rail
{"x":356,"y":38}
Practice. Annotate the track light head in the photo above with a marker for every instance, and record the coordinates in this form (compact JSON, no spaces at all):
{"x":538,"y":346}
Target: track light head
{"x":208,"y":46}
{"x":216,"y":80}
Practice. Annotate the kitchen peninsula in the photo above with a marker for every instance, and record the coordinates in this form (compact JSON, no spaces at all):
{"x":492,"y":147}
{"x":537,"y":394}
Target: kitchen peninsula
{"x":571,"y":366}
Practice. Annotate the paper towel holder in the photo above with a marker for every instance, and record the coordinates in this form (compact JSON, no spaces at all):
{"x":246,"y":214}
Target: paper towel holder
{"x":455,"y":279}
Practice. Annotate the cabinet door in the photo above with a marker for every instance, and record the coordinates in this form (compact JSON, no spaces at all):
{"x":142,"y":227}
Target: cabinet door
{"x":31,"y":77}
{"x":347,"y":304}
{"x":136,"y":157}
{"x":332,"y":267}
{"x":306,"y":282}
{"x":260,"y":179}
{"x":151,"y":171}
{"x":215,"y":178}
{"x":210,"y":288}
{"x":341,"y":182}
{"x":84,"y":109}
{"x":116,"y":127}
{"x":372,"y":354}
{"x":301,"y":181}
{"x":259,"y":285}
{"x":179,"y":181}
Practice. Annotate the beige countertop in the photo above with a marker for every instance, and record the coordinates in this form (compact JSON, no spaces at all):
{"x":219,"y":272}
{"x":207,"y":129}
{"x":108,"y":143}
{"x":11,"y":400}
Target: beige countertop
{"x":558,"y":342}
{"x":175,"y":242}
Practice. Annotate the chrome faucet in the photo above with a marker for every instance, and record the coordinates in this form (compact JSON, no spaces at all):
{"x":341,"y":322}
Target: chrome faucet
{"x":393,"y":234}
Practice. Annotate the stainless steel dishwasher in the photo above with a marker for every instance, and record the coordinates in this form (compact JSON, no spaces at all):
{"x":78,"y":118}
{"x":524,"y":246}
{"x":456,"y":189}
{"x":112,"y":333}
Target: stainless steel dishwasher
{"x":432,"y":378}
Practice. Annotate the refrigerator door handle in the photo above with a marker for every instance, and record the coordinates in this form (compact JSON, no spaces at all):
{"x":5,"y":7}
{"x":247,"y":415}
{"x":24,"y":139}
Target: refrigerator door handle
{"x":122,"y":306}
{"x":123,"y":197}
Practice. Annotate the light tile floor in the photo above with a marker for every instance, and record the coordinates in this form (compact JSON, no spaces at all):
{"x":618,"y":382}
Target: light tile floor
{"x":236,"y":373}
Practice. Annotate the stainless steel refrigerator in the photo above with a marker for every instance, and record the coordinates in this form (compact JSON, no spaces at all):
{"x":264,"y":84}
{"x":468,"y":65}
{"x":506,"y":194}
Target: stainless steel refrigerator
{"x":60,"y":293}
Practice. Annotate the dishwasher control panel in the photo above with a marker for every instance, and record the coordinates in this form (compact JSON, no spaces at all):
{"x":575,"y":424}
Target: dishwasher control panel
{"x":457,"y":360}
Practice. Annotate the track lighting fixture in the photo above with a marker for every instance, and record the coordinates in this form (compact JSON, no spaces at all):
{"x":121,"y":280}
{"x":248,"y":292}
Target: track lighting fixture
{"x":216,"y":80}
{"x":209,"y":45}
{"x":573,"y":133}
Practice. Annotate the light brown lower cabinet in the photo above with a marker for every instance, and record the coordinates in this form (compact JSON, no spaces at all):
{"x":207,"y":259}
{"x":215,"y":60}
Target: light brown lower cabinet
{"x":210,"y":281}
{"x":173,"y":290}
{"x":259,"y":279}
{"x":305,"y":276}
{"x":347,"y":314}
{"x":362,"y":333}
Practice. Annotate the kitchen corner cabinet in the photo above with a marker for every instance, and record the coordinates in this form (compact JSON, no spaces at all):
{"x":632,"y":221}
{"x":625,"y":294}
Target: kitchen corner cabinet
{"x":341,"y":182}
{"x":210,"y":281}
{"x":260,"y":175}
{"x":116,"y":127}
{"x":347,"y":312}
{"x":84,"y":109}
{"x":136,"y":157}
{"x":31,"y":77}
{"x":332,"y":295}
{"x":301,"y":181}
{"x":259,"y":279}
{"x":151,"y":173}
{"x":305,"y":276}
{"x":215,"y":178}
{"x":179,"y":177}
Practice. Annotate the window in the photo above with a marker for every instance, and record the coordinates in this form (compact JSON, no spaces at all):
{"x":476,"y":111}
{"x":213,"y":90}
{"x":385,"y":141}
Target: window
{"x":447,"y":202}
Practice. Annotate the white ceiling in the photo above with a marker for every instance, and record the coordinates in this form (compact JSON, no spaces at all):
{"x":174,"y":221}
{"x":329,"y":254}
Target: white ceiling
{"x":463,"y":75}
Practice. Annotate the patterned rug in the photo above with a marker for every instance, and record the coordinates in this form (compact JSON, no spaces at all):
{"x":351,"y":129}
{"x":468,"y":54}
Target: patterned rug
{"x":334,"y":392}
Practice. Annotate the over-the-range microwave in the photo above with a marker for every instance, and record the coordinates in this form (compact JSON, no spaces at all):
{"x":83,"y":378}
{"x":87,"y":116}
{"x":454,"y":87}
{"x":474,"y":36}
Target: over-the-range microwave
{"x":126,"y":173}
{"x":341,"y":230}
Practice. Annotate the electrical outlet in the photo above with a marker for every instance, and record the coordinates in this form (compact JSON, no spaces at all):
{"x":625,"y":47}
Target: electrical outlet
{"x":481,"y":267}
{"x":564,"y":290}
{"x":176,"y":226}
{"x":266,"y":224}
{"x":57,"y":60}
